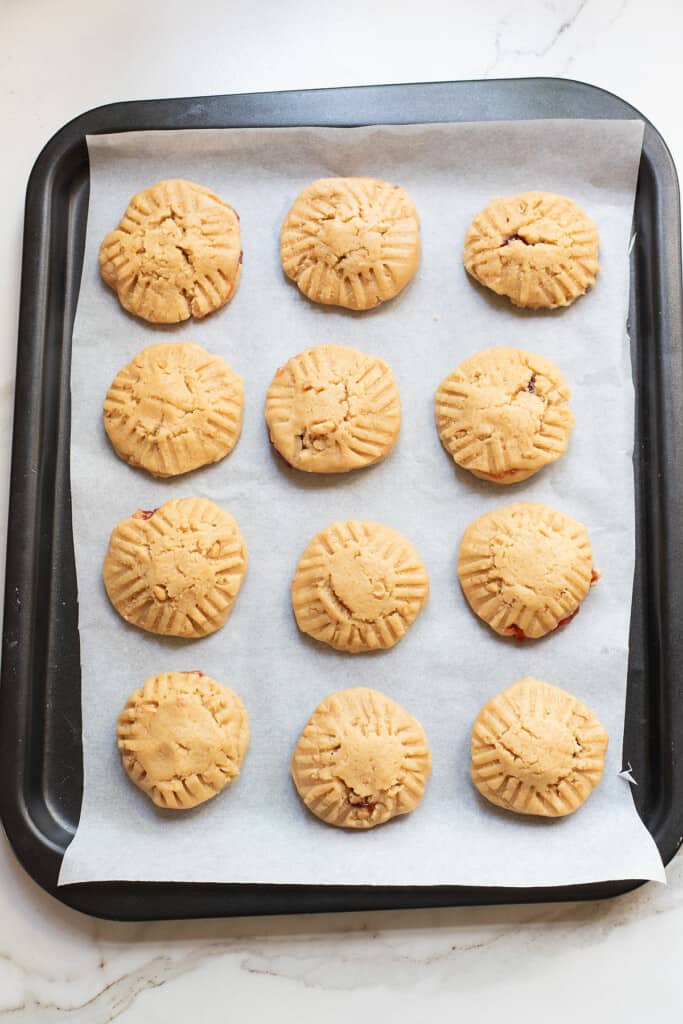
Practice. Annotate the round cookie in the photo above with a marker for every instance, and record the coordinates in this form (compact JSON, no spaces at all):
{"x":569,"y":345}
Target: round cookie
{"x":176,"y":570}
{"x":361,"y":760}
{"x":537,"y":248}
{"x":358,"y":586}
{"x":182,"y":738}
{"x":537,"y":750}
{"x":351,"y":242}
{"x":503,"y":414}
{"x":173,"y":408}
{"x":332,"y":409}
{"x":525,"y":569}
{"x":175,"y":254}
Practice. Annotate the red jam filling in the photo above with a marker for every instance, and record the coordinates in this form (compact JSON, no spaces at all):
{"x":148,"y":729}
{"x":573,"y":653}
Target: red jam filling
{"x":515,"y":631}
{"x":519,"y":634}
{"x":567,"y":618}
{"x":513,"y":238}
{"x":144,"y":513}
{"x":531,"y":386}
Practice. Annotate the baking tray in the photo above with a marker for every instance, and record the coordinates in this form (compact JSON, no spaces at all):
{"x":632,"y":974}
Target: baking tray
{"x":40,"y":709}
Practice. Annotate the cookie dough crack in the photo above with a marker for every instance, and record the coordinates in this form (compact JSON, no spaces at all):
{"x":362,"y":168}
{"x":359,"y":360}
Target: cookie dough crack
{"x":318,"y":441}
{"x":186,"y":255}
{"x":347,"y":612}
{"x":513,"y":238}
{"x":341,"y":606}
{"x":508,"y":402}
{"x":361,"y":231}
{"x":356,"y":800}
{"x":534,"y":765}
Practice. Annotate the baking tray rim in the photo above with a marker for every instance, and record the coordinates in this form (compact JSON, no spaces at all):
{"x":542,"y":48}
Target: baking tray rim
{"x":20,"y":826}
{"x":79,"y":124}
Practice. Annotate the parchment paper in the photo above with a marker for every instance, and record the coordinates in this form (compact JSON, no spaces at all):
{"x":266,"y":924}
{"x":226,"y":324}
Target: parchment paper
{"x":449,"y":664}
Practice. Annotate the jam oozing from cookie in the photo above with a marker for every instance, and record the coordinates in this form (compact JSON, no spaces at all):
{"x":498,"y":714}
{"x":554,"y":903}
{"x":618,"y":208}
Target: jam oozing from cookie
{"x":514,"y":238}
{"x":241,"y":259}
{"x":531,"y":386}
{"x":519,"y":633}
{"x":144,"y":513}
{"x":567,"y":618}
{"x":595,"y":576}
{"x":516,"y":632}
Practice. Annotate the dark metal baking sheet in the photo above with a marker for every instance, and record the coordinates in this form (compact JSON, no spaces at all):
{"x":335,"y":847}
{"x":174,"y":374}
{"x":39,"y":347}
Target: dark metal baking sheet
{"x":40,"y":712}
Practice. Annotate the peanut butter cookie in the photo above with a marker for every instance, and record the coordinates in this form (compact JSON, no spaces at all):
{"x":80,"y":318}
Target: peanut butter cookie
{"x":182,"y":738}
{"x":176,"y":570}
{"x":539,"y":249}
{"x":504,"y":414}
{"x":537,"y":750}
{"x":175,"y":254}
{"x":351,"y":242}
{"x":361,"y":760}
{"x":173,"y":408}
{"x":358,"y":586}
{"x":332,"y":409}
{"x":525,"y":569}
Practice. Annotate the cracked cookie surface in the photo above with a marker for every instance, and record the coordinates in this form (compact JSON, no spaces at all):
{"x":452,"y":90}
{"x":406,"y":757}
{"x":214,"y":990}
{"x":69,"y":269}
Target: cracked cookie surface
{"x":176,"y":570}
{"x":361,"y":760}
{"x":537,"y":750}
{"x":537,"y":248}
{"x":525,"y":568}
{"x":358,"y":586}
{"x":332,"y":409}
{"x":173,"y":408}
{"x":351,"y":242}
{"x":175,"y":254}
{"x":182,"y":738}
{"x":503,"y":414}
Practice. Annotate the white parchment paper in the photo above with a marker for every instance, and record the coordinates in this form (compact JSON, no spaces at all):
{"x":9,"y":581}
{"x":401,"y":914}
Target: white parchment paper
{"x":449,"y":664}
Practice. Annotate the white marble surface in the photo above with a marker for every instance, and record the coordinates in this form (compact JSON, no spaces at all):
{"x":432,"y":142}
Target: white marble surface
{"x":620,"y":959}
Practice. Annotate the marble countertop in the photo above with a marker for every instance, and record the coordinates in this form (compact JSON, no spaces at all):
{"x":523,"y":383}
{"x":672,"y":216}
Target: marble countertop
{"x":621,"y":958}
